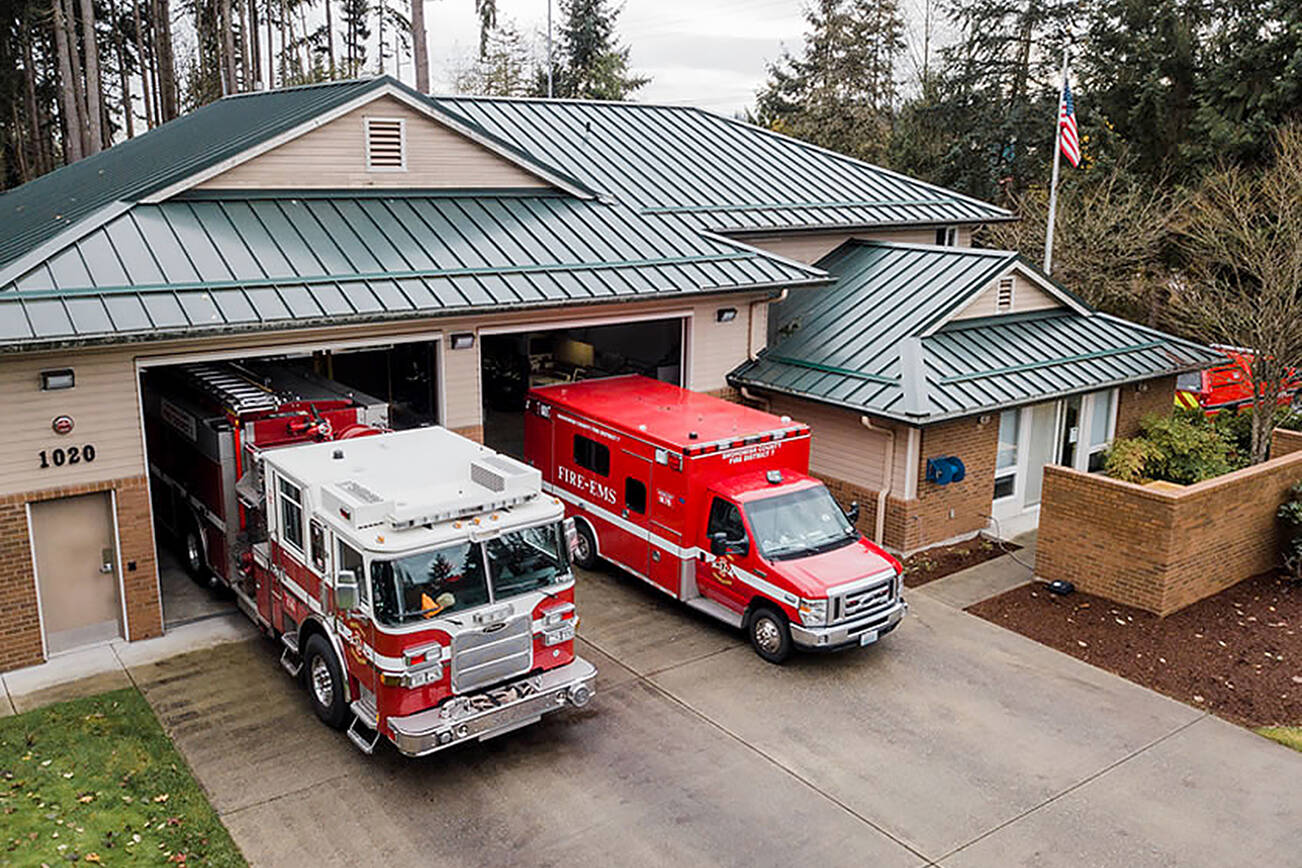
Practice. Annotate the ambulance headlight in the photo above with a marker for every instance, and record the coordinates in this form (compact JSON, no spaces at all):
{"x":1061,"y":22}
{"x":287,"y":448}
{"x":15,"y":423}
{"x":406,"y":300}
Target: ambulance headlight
{"x":813,"y":613}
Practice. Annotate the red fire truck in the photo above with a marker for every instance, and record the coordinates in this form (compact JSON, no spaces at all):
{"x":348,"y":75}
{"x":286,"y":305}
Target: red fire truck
{"x":1229,"y":386}
{"x":421,"y":581}
{"x":710,"y":502}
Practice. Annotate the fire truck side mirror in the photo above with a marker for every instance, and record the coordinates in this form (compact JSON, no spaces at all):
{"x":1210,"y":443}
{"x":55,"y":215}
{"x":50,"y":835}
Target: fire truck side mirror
{"x":571,"y":536}
{"x":346,"y":590}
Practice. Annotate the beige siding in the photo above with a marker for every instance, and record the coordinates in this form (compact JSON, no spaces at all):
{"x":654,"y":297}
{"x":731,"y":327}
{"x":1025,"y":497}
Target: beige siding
{"x":334,"y":156}
{"x":1026,"y":297}
{"x":843,"y":448}
{"x":809,"y":247}
{"x":104,"y":409}
{"x":463,"y":406}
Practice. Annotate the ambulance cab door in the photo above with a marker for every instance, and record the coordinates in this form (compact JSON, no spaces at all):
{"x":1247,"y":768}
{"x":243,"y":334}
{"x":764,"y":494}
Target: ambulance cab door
{"x":720,"y":575}
{"x":632,"y":548}
{"x":668,"y":521}
{"x":356,"y":627}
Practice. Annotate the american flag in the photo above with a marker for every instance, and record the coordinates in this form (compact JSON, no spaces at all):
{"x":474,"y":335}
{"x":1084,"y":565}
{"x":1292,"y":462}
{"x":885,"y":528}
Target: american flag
{"x":1068,"y":139}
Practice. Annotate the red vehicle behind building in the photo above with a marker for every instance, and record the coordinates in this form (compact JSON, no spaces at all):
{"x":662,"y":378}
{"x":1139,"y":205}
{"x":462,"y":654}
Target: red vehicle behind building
{"x":420,"y":581}
{"x":1229,"y":386}
{"x":711,"y":502}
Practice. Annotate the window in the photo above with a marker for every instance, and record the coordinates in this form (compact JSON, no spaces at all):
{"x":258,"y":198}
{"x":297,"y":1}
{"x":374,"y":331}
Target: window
{"x":801,"y":523}
{"x":947,"y":236}
{"x":591,"y":455}
{"x":1099,"y":428}
{"x":291,"y":515}
{"x":1010,"y":423}
{"x":386,"y":145}
{"x":351,"y":559}
{"x":726,"y":517}
{"x":526,"y":560}
{"x":316,"y":541}
{"x":635,"y":495}
{"x":1004,"y":295}
{"x":430,"y":583}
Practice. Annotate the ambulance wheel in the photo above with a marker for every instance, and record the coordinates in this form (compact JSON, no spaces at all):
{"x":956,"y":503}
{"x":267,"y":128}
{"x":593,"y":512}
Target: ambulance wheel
{"x":325,"y":682}
{"x":585,"y":550}
{"x":770,"y":634}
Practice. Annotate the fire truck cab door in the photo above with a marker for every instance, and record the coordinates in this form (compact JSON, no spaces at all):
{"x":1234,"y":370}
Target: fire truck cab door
{"x":356,"y":627}
{"x":632,"y":547}
{"x":719,"y":576}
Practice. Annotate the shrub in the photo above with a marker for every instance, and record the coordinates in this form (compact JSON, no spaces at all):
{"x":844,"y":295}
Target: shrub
{"x":1181,"y":448}
{"x":1290,"y":538}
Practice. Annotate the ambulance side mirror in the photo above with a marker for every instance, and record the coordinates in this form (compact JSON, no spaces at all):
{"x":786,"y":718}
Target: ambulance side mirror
{"x":852,"y":514}
{"x":346,"y":590}
{"x":718,"y":543}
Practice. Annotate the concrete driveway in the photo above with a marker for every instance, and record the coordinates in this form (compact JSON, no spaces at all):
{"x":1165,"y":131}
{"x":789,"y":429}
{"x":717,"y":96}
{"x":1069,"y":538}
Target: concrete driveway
{"x":952,"y":743}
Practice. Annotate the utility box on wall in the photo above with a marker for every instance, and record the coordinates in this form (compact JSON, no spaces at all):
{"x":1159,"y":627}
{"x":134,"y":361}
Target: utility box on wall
{"x":943,"y":471}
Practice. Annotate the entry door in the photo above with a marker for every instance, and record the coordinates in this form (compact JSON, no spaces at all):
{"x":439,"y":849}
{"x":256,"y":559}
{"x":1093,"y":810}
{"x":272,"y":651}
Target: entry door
{"x":77,"y":570}
{"x":1041,"y":448}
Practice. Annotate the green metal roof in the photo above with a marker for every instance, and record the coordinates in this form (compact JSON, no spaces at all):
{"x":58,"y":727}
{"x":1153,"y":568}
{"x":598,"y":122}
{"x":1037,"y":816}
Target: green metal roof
{"x":223,"y":261}
{"x":878,"y":340}
{"x":714,"y":172}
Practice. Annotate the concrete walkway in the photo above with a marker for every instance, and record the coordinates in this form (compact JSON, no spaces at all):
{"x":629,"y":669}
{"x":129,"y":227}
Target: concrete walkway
{"x":990,"y":579}
{"x":92,"y":670}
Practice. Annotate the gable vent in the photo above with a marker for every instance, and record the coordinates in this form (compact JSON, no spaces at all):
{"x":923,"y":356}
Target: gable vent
{"x":386,"y":145}
{"x":1004,"y":295}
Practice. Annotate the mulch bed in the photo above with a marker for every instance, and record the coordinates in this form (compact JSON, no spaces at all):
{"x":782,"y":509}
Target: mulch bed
{"x":932,"y":564}
{"x":1237,"y":654}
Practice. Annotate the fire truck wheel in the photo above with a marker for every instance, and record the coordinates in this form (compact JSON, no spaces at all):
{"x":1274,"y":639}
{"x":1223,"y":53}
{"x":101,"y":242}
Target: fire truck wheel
{"x":325,"y":682}
{"x":585,"y":552}
{"x":769,"y":633}
{"x":192,"y":555}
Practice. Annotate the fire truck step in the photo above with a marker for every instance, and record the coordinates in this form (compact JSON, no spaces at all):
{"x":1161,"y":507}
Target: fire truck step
{"x":715,"y":610}
{"x":359,"y":733}
{"x":290,"y":663}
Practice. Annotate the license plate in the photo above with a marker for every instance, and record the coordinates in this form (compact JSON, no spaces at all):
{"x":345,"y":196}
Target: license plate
{"x":556,"y":637}
{"x":868,"y":638}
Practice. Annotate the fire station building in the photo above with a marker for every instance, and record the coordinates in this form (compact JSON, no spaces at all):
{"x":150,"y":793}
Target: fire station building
{"x":444,"y":254}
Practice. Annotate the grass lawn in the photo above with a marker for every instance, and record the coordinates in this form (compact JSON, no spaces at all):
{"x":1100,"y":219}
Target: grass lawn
{"x":1289,"y":735}
{"x":97,"y":781}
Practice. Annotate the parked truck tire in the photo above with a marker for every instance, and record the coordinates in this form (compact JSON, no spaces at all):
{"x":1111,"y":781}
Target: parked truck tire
{"x":326,"y":688}
{"x":193,"y":556}
{"x":769,"y":633}
{"x":585,"y":553}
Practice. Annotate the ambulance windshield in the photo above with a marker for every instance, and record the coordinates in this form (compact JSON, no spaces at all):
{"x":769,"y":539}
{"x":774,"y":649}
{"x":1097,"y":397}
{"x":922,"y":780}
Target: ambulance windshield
{"x":797,"y":524}
{"x":430,"y":583}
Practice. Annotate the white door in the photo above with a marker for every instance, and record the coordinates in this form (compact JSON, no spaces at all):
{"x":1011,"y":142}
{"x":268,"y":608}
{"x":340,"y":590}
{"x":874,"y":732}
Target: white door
{"x":1041,"y":447}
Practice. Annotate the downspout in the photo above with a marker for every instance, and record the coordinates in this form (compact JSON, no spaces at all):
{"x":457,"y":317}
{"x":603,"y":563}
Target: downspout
{"x":766,"y":403}
{"x":880,"y":530}
{"x":751,"y":352}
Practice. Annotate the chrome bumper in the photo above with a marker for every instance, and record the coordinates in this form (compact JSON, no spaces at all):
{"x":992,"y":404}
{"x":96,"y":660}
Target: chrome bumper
{"x":495,"y":711}
{"x":849,"y":633}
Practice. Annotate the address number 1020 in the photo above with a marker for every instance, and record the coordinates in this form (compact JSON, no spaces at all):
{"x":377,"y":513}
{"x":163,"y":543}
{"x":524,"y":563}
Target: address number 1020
{"x":71,"y":455}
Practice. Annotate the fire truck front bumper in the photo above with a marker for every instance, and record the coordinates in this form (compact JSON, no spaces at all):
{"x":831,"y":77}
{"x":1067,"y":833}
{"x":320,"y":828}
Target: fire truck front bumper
{"x":495,"y":711}
{"x":864,"y":631}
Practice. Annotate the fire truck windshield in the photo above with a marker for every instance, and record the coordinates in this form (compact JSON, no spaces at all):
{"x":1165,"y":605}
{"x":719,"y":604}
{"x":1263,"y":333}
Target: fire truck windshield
{"x":801,"y":523}
{"x":526,"y":560}
{"x":430,"y":583}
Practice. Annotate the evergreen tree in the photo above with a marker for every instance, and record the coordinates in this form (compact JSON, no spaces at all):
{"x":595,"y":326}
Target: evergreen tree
{"x":590,"y":62}
{"x":840,"y":92}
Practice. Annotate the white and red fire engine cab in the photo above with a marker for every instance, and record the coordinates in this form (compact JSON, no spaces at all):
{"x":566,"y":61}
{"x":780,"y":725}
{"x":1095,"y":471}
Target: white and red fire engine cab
{"x":421,"y":581}
{"x":711,"y":502}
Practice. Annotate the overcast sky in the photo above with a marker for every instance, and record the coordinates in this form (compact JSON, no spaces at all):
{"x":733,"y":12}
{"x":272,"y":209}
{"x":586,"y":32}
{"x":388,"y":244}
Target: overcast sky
{"x":709,"y":53}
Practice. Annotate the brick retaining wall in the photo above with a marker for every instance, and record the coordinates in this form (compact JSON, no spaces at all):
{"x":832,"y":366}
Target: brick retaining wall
{"x":1162,"y":550}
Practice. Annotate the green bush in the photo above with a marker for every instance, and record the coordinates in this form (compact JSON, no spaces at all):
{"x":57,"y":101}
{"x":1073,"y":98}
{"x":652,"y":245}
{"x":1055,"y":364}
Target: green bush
{"x":1181,"y":448}
{"x":1290,"y":538}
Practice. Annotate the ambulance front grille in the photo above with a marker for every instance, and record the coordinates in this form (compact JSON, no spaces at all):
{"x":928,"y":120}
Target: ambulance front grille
{"x":484,"y":655}
{"x":863,"y":602}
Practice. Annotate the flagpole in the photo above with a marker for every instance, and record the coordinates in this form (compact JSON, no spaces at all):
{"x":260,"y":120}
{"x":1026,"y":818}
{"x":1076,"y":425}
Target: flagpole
{"x":1057,"y":155}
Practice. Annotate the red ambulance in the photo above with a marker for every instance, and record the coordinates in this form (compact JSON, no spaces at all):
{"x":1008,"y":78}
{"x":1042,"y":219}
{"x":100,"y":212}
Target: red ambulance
{"x":711,"y":502}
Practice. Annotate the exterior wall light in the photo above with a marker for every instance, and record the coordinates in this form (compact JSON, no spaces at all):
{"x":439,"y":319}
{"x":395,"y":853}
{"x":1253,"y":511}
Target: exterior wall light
{"x":54,"y":380}
{"x":725,"y":314}
{"x":463,"y":341}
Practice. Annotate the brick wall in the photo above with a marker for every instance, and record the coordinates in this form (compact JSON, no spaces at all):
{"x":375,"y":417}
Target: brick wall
{"x":943,"y":512}
{"x":1138,"y":400}
{"x":20,"y":630}
{"x":1162,"y":550}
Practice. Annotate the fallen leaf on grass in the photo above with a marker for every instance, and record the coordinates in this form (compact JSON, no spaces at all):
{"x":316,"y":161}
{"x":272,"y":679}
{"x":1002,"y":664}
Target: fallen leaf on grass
{"x":86,"y":799}
{"x":93,"y":857}
{"x":161,"y":797}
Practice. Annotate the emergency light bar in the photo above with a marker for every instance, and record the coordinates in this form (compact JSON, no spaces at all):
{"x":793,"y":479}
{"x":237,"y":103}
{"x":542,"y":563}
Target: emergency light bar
{"x":738,"y":443}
